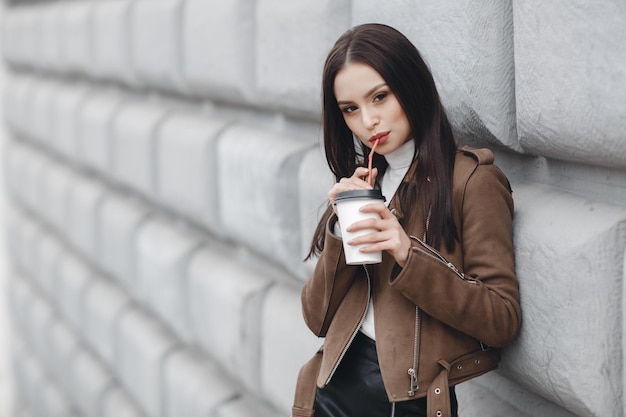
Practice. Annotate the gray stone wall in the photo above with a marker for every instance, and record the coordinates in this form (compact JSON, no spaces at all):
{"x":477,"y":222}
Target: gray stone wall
{"x":165,"y":177}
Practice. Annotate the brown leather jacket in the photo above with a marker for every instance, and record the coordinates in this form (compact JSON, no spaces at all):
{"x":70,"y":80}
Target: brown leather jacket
{"x":448,"y":310}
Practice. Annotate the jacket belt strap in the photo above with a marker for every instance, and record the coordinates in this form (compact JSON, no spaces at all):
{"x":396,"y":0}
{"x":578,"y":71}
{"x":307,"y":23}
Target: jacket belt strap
{"x":306,"y":388}
{"x":439,"y":394}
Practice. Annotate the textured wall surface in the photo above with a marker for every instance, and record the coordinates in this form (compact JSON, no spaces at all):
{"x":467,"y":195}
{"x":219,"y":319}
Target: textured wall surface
{"x":165,"y":175}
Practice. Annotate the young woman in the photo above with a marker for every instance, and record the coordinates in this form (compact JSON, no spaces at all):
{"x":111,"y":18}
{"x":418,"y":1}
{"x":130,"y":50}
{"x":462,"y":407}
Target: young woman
{"x":400,"y":334}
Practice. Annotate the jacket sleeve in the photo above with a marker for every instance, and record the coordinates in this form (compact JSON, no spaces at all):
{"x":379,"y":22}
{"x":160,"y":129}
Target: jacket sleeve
{"x":322,"y":293}
{"x":482,"y":299}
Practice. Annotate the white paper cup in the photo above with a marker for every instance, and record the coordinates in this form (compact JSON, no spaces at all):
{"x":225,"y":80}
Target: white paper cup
{"x":348,"y":205}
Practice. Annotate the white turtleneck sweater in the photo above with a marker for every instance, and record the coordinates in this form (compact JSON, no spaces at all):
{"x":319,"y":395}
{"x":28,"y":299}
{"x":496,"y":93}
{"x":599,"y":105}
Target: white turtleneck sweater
{"x":399,"y":162}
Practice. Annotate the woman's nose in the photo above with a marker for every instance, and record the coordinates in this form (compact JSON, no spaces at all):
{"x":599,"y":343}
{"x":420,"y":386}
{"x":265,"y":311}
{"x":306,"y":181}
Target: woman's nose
{"x":370,"y":119}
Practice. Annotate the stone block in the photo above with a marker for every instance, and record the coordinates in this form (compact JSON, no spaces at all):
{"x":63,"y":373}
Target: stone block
{"x":26,"y":130}
{"x":163,"y":252}
{"x":286,"y":344}
{"x":469,"y":48}
{"x":155,"y":42}
{"x":51,"y":36}
{"x":49,"y":399}
{"x":315,"y":180}
{"x":225,"y":299}
{"x":11,"y":26}
{"x":494,"y":395}
{"x":76,"y":34}
{"x":32,"y":383}
{"x":68,"y":101}
{"x":14,"y":98}
{"x":13,"y":159}
{"x":292,"y":42}
{"x":63,"y":347}
{"x":19,"y":299}
{"x":142,"y":346}
{"x":111,"y":35}
{"x":52,"y":206}
{"x":187,"y":171}
{"x":103,"y":305}
{"x":73,"y":279}
{"x":91,"y":380}
{"x":119,"y":220}
{"x":570,"y":75}
{"x":258,"y":188}
{"x":23,"y":96}
{"x":19,"y":356}
{"x":117,"y":403}
{"x":31,"y":233}
{"x":48,"y":253}
{"x":218,"y":49}
{"x":194,"y":387}
{"x":55,"y":402}
{"x":84,"y":199}
{"x":30,"y":173}
{"x":27,"y":233}
{"x":245,"y":406}
{"x":12,"y":155}
{"x":592,"y":181}
{"x":40,"y":123}
{"x":564,"y":242}
{"x":21,"y":410}
{"x":13,"y":218}
{"x":134,"y":145}
{"x":38,"y":316}
{"x":95,"y":120}
{"x":19,"y":26}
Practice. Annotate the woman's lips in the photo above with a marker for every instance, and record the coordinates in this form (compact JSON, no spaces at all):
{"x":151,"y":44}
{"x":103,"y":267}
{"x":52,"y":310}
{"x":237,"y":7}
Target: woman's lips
{"x":380,"y":137}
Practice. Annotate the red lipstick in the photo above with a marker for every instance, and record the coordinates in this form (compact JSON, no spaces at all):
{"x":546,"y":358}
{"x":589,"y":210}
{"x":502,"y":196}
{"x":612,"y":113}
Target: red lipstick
{"x":380,"y":137}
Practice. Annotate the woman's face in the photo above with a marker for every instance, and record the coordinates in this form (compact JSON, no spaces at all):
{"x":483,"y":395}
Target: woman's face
{"x":370,"y":109}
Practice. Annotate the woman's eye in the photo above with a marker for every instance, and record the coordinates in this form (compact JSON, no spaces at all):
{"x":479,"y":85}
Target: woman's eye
{"x":380,"y":96}
{"x":348,"y":109}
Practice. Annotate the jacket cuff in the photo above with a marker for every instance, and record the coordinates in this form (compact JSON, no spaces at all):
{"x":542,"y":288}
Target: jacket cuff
{"x":399,"y":271}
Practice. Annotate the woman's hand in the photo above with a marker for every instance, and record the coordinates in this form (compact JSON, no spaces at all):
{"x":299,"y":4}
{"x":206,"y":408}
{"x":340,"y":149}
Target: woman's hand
{"x":390,"y":235}
{"x":355,"y":182}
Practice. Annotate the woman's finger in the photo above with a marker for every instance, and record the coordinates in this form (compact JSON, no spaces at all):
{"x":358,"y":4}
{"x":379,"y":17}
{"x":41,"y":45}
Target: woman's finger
{"x":355,"y":182}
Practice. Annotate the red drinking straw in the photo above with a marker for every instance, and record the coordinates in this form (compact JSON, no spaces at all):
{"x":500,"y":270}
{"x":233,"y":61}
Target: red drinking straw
{"x":370,"y":178}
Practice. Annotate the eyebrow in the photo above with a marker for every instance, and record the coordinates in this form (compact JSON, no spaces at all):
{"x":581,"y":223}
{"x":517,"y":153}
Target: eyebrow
{"x":370,"y":92}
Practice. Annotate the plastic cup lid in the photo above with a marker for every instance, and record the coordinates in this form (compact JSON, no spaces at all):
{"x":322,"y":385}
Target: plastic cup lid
{"x":353,"y":194}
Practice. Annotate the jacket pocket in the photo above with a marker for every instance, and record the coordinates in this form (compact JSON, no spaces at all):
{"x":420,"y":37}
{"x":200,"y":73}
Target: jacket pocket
{"x":435,"y":254}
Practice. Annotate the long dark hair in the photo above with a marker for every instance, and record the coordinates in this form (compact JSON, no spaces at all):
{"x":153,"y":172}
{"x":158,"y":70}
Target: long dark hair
{"x":400,"y":64}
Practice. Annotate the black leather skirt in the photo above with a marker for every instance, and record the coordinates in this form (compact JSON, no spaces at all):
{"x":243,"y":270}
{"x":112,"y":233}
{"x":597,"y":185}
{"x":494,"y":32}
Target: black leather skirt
{"x":356,"y":389}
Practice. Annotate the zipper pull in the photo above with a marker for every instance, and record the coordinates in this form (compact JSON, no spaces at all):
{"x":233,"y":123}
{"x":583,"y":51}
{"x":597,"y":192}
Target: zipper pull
{"x":414,"y":384}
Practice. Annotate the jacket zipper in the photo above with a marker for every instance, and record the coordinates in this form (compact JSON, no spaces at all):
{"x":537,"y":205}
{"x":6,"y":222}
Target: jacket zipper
{"x":416,"y":347}
{"x":413,"y":371}
{"x":432,"y":252}
{"x":367,"y":305}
